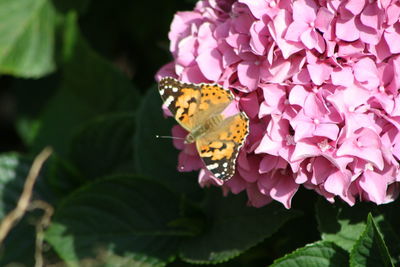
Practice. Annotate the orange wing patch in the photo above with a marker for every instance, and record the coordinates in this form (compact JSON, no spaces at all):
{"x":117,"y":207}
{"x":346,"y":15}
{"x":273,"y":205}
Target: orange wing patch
{"x":213,"y":95}
{"x":186,"y":105}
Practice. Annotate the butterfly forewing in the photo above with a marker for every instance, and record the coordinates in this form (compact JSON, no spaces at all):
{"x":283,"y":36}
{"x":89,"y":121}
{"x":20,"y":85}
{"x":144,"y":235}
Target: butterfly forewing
{"x":182,"y":99}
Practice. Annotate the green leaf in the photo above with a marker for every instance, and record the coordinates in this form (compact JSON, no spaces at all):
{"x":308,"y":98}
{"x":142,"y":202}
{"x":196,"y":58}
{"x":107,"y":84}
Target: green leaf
{"x":121,"y":216}
{"x":13,"y":171}
{"x":389,"y":227}
{"x":341,"y":224}
{"x":103,"y":147}
{"x":90,"y":87}
{"x":26,"y":37}
{"x":62,"y":176}
{"x":157,"y":158}
{"x":318,"y":254}
{"x":232,"y":228}
{"x":370,"y":249}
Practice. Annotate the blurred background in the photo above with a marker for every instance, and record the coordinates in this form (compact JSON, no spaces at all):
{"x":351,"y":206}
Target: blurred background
{"x":78,"y":75}
{"x":131,"y":36}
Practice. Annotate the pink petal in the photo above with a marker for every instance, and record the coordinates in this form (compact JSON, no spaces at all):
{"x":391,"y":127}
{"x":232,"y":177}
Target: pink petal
{"x":320,"y":45}
{"x":249,"y":74}
{"x":279,"y":71}
{"x":187,"y":163}
{"x":179,"y":132}
{"x":351,"y":49}
{"x":304,"y":130}
{"x":236,"y":184}
{"x":210,"y":64}
{"x":274,"y":96}
{"x":338,"y":183}
{"x":321,"y":170}
{"x":242,"y":23}
{"x":342,"y":76}
{"x":365,"y":71}
{"x":304,"y":10}
{"x":328,"y":130}
{"x":206,"y":40}
{"x":308,"y":38}
{"x":319,"y":73}
{"x":393,"y":37}
{"x":367,"y":34}
{"x":180,"y":27}
{"x":393,"y":14}
{"x":192,"y":74}
{"x":250,"y":173}
{"x":284,"y":190}
{"x":295,"y":30}
{"x":271,"y":163}
{"x":381,"y":50}
{"x":368,"y":153}
{"x":314,"y":107}
{"x":186,"y":51}
{"x":324,"y":19}
{"x":370,"y":16}
{"x":374,"y":185}
{"x":355,"y":6}
{"x":304,"y":150}
{"x":298,"y":95}
{"x":278,"y":28}
{"x":229,"y":56}
{"x":257,"y":8}
{"x":346,"y":29}
{"x":250,"y":104}
{"x":206,"y":179}
{"x":256,"y":199}
{"x":269,"y":146}
{"x":259,"y":39}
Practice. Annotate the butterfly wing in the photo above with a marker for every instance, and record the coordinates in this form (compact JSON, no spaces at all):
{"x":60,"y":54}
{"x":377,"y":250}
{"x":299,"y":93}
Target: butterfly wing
{"x":219,"y":148}
{"x":182,"y":99}
{"x":191,"y":104}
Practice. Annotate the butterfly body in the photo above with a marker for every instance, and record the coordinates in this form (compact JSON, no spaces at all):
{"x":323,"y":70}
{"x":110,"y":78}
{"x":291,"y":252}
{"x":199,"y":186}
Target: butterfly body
{"x":210,"y":124}
{"x":198,"y":108}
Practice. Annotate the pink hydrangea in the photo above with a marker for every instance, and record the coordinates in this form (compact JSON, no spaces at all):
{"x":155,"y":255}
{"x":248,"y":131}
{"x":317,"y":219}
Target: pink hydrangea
{"x":319,"y":80}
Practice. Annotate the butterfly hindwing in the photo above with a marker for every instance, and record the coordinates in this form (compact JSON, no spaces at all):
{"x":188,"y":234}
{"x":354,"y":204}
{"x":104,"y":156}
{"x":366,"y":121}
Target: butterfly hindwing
{"x":219,"y":149}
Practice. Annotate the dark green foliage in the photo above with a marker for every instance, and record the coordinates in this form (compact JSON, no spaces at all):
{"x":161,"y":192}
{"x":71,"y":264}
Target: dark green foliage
{"x":79,"y":76}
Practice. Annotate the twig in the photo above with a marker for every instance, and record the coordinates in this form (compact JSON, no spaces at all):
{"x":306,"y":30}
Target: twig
{"x":40,"y":226}
{"x":15,"y":215}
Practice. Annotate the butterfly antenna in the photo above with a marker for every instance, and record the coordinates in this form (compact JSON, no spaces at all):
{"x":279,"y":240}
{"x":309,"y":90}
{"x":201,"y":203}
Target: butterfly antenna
{"x":169,"y":137}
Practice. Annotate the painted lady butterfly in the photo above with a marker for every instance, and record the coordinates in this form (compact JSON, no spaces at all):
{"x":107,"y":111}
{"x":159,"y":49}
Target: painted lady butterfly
{"x":198,"y":108}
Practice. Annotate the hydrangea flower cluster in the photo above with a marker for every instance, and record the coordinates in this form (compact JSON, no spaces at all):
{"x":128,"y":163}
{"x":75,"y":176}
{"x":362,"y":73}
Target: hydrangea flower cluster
{"x":319,"y":80}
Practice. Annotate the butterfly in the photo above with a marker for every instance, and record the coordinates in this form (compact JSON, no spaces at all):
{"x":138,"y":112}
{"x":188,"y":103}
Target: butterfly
{"x":198,"y":108}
